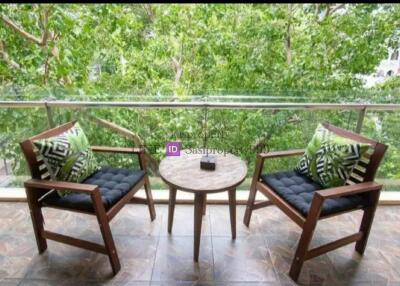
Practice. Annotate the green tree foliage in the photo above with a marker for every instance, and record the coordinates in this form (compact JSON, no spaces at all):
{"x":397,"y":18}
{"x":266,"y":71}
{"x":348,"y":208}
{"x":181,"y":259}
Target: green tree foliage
{"x":194,"y":48}
{"x":303,"y":52}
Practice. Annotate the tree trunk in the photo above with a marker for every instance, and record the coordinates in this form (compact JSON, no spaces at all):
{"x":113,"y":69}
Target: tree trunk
{"x":288,"y":40}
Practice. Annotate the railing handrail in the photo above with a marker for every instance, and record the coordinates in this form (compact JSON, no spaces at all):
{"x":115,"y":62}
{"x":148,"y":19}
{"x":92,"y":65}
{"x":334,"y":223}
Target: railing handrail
{"x":199,"y":104}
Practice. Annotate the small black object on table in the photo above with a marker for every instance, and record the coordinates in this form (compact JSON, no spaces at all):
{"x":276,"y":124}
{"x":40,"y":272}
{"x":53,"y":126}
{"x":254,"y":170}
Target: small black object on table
{"x":208,"y":162}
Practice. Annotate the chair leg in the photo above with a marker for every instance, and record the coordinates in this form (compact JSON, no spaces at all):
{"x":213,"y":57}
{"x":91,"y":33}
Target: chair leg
{"x":250,"y":204}
{"x":301,"y":251}
{"x":37,"y":220}
{"x":205,"y":204}
{"x":149,"y":196}
{"x":253,"y":190}
{"x":106,"y":233}
{"x":305,"y":239}
{"x":366,"y":223}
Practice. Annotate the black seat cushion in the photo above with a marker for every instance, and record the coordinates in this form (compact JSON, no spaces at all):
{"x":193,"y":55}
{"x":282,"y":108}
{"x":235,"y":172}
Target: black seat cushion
{"x":113,"y":183}
{"x":298,"y":190}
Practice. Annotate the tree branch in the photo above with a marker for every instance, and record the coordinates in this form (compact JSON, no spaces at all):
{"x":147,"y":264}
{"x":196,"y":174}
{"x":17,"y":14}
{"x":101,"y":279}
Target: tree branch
{"x":177,"y":63}
{"x":288,"y":40}
{"x":46,"y":70}
{"x":317,"y":10}
{"x":20,"y":31}
{"x":337,"y":7}
{"x":149,"y":11}
{"x":46,"y":35}
{"x":330,"y":9}
{"x":12,"y":64}
{"x":178,"y":69}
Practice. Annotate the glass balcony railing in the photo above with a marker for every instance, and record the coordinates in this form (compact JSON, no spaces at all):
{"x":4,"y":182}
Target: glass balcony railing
{"x":242,"y":124}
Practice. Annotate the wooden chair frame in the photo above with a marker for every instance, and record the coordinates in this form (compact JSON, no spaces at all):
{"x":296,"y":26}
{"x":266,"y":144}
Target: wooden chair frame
{"x":308,"y":223}
{"x":36,"y":188}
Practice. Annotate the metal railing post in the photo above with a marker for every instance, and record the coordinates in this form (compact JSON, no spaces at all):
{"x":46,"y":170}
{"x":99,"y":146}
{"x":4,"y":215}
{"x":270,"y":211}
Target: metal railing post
{"x":360,"y":120}
{"x":205,"y":125}
{"x":49,"y":113}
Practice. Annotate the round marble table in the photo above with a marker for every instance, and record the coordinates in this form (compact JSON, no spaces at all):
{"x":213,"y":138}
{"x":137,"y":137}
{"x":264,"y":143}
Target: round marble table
{"x":183,"y":173}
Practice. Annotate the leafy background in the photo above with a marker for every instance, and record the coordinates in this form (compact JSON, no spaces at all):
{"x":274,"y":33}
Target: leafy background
{"x":188,"y":52}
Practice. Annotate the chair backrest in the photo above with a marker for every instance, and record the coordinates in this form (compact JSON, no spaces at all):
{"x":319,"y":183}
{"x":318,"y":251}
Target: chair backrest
{"x":377,"y":155}
{"x":30,"y":154}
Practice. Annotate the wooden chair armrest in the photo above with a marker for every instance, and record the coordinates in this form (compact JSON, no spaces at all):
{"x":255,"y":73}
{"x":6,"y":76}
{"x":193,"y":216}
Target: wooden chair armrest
{"x":124,"y":150}
{"x":276,"y":154}
{"x":348,"y":190}
{"x":60,"y":185}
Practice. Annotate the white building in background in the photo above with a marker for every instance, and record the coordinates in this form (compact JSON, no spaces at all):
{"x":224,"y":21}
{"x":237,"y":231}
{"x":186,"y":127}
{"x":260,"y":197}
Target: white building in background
{"x":387,"y":68}
{"x":390,"y":66}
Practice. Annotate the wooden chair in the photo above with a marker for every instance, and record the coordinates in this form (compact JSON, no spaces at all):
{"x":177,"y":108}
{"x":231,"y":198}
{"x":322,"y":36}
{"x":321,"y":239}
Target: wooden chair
{"x":86,"y":197}
{"x":323,"y":203}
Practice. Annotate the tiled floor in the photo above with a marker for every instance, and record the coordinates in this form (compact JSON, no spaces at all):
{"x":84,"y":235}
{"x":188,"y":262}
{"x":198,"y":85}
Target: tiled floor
{"x":261,"y":255}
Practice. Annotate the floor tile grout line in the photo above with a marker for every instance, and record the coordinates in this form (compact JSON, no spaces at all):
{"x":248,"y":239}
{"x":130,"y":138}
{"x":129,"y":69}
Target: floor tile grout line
{"x":212,"y":243}
{"x":272,"y":261}
{"x":30,"y":263}
{"x":155,"y":254}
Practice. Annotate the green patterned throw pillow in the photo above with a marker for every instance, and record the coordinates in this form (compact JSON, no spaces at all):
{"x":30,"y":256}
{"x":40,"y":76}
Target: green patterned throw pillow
{"x":330,"y":159}
{"x":68,"y":156}
{"x":306,"y":161}
{"x":357,"y":176}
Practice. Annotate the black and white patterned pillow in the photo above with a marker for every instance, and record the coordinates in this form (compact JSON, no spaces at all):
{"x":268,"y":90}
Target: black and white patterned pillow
{"x":358,"y":173}
{"x":303,"y":165}
{"x":335,"y":163}
{"x":67,"y":156}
